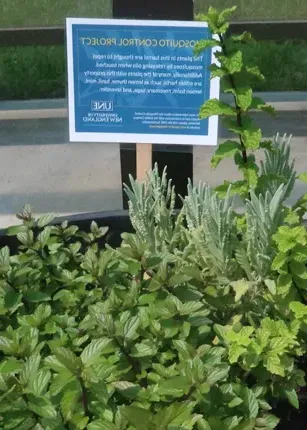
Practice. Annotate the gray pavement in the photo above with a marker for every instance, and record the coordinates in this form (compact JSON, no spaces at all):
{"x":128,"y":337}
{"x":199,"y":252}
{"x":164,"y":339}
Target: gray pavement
{"x":39,"y":166}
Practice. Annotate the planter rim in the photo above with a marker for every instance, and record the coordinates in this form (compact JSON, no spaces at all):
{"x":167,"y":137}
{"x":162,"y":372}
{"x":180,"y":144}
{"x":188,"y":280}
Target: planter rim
{"x":87,"y":216}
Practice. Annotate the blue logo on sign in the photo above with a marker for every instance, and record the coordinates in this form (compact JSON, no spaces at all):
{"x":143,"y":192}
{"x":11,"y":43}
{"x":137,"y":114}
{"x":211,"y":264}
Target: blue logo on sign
{"x":102,"y":106}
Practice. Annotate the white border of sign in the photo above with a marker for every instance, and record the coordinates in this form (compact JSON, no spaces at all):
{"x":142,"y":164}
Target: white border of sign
{"x":210,"y":140}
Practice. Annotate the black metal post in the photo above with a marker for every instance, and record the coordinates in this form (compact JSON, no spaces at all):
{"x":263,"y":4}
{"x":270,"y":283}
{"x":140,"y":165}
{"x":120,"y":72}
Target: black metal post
{"x":177,"y":158}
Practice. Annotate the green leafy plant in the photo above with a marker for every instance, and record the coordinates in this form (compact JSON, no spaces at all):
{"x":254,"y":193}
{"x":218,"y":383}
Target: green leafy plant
{"x":235,"y":77}
{"x":104,"y":339}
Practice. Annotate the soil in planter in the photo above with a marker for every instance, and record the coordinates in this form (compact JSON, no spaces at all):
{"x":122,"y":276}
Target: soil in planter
{"x":291,"y":418}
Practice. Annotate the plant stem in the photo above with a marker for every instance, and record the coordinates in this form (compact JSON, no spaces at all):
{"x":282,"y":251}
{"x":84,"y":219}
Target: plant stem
{"x":239,"y":117}
{"x":24,"y":301}
{"x":84,"y":398}
{"x":299,"y":292}
{"x":189,"y":394}
{"x":134,"y":363}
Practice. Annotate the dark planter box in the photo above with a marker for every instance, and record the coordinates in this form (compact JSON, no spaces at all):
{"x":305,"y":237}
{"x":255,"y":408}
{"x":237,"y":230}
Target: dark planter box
{"x":118,"y":223}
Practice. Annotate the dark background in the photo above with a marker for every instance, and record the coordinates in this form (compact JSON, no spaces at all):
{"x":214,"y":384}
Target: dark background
{"x":178,"y":159}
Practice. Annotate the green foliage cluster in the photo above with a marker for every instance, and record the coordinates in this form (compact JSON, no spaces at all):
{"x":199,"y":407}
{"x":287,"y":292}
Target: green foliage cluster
{"x":197,"y":321}
{"x":235,"y":77}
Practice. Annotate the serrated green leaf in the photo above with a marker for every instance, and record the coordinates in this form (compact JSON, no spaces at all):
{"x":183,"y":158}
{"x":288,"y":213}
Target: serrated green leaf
{"x":67,"y":358}
{"x":90,"y":261}
{"x":103,"y":231}
{"x":53,"y":363}
{"x":5,"y":256}
{"x":176,"y":386}
{"x":259,"y":103}
{"x":185,"y":350}
{"x":244,"y":37}
{"x":44,"y":236}
{"x":287,"y":237}
{"x":127,"y":389}
{"x":30,"y":369}
{"x":55,"y":423}
{"x":225,"y":15}
{"x":12,"y":299}
{"x":39,"y":384}
{"x":94,"y":227}
{"x":38,"y":427}
{"x":218,"y":373}
{"x":37,"y":296}
{"x":292,"y":217}
{"x":231,"y":422}
{"x":279,"y":261}
{"x":235,"y":351}
{"x":246,"y":425}
{"x":224,"y":150}
{"x":235,"y":402}
{"x":101,"y":425}
{"x":273,"y":365}
{"x":241,"y":337}
{"x":270,"y":421}
{"x":303,"y":177}
{"x":136,"y":416}
{"x":251,"y":402}
{"x":252,"y":137}
{"x":202,"y":45}
{"x":189,"y":308}
{"x":16,"y":420}
{"x":299,"y":309}
{"x":10,"y":366}
{"x":293,"y":398}
{"x":203,"y":424}
{"x":216,"y":107}
{"x":238,"y":187}
{"x":216,"y":71}
{"x":46,"y":219}
{"x":143,"y":350}
{"x":16,"y":229}
{"x":93,"y":351}
{"x":79,"y":421}
{"x":42,"y":407}
{"x":271,"y":286}
{"x":62,"y":379}
{"x":131,"y":327}
{"x":6,"y":345}
{"x":299,"y":254}
{"x":264,"y":405}
{"x":255,"y":72}
{"x":279,"y":344}
{"x":240,"y":288}
{"x":233,"y":62}
{"x":175,"y":416}
{"x":69,"y":404}
{"x":250,"y":173}
{"x":298,"y":269}
{"x":244,"y":97}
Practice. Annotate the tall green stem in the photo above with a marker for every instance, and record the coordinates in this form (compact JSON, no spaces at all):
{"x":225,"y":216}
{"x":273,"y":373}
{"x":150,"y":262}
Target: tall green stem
{"x":239,"y":117}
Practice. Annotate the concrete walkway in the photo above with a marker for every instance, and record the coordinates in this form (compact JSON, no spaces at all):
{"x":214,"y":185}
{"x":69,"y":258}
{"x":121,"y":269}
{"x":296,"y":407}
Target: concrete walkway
{"x":39,"y":166}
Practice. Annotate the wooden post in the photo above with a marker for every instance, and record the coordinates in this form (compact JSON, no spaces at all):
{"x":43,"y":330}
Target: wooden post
{"x":178,"y":10}
{"x":143,"y":160}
